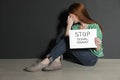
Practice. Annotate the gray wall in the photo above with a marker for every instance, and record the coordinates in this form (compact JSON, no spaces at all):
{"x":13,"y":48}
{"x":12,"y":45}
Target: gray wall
{"x":29,"y":27}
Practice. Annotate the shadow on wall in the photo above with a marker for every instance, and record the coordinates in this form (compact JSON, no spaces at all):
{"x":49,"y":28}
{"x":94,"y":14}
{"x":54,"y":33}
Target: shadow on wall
{"x":59,"y":32}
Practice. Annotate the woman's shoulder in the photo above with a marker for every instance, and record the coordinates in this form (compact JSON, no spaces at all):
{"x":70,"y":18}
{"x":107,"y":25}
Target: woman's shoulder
{"x":93,"y":25}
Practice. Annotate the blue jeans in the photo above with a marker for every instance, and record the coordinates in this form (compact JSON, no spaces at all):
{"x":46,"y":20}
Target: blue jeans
{"x":82,"y":56}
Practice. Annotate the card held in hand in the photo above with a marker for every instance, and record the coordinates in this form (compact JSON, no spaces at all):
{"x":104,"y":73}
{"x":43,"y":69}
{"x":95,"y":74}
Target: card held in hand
{"x":84,"y":38}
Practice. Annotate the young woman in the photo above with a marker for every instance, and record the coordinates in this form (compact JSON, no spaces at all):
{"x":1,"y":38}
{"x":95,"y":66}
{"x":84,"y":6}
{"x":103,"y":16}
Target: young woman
{"x":86,"y":57}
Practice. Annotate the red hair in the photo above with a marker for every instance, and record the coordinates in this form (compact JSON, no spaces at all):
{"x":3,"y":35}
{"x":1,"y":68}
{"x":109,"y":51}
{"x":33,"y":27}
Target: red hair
{"x":80,"y":10}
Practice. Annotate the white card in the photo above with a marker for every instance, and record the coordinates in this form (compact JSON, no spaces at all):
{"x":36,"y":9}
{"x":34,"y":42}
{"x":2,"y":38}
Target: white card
{"x":84,"y":38}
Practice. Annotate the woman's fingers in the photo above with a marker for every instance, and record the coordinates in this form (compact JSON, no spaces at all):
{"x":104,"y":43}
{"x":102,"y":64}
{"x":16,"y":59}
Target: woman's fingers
{"x":70,"y":21}
{"x":97,"y":40}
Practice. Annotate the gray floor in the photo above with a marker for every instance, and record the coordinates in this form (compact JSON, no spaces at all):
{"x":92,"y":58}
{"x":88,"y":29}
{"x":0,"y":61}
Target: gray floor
{"x":105,"y":69}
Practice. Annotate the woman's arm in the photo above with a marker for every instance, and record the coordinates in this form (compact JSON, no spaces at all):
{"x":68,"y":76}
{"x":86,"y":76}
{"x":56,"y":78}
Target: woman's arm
{"x":69,"y":25}
{"x":67,"y":30}
{"x":98,"y":39}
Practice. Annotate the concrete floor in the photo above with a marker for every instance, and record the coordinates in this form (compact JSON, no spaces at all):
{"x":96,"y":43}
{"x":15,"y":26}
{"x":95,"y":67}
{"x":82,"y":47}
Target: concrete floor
{"x":105,"y":69}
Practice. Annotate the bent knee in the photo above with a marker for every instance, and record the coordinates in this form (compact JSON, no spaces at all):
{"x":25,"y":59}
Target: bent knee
{"x":87,"y":62}
{"x":90,"y":63}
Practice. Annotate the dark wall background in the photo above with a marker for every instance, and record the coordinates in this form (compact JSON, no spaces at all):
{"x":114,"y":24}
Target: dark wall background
{"x":28,"y":26}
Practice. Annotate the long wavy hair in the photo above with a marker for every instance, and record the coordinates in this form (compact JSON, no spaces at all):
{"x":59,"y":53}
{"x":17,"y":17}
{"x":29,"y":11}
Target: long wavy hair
{"x":81,"y":12}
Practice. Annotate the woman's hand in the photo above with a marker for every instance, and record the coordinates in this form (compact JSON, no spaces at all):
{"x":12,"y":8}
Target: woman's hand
{"x":98,"y":43}
{"x":69,"y":25}
{"x":69,"y":22}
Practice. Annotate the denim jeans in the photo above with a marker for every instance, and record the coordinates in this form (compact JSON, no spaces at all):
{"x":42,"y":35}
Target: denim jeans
{"x":82,"y":56}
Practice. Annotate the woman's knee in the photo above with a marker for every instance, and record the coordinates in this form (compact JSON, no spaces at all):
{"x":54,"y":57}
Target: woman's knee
{"x":90,"y":63}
